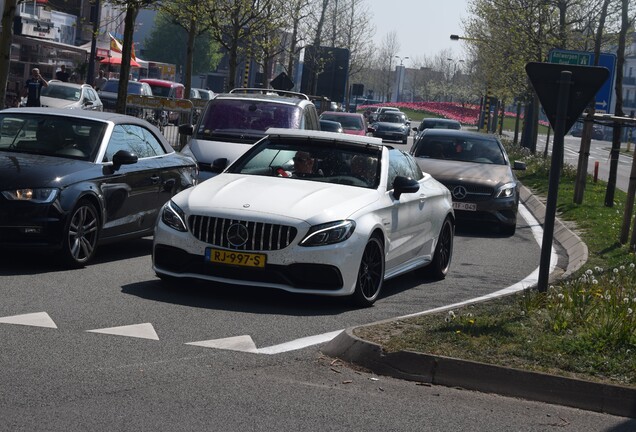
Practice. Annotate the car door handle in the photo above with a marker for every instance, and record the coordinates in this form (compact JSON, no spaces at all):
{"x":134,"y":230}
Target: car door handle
{"x":155,"y":179}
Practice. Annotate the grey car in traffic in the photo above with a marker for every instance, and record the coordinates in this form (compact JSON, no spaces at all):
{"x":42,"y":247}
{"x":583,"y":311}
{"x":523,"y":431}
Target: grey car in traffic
{"x":477,"y":171}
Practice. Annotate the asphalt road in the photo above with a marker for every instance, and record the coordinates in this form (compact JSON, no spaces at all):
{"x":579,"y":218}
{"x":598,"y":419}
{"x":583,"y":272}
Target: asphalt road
{"x":599,"y":153}
{"x":110,"y":348}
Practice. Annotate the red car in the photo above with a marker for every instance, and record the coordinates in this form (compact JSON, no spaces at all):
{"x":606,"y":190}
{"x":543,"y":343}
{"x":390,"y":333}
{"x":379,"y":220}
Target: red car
{"x":352,"y":123}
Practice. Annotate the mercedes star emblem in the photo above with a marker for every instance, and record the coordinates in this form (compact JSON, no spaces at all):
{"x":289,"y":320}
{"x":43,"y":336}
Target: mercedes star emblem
{"x":459,"y":192}
{"x":237,"y":235}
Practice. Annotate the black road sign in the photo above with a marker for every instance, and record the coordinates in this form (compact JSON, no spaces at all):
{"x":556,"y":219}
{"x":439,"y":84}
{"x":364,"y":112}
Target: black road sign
{"x":282,"y":82}
{"x":586,"y":81}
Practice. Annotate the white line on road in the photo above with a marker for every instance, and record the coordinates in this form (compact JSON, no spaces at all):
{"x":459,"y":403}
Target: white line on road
{"x":527,"y":282}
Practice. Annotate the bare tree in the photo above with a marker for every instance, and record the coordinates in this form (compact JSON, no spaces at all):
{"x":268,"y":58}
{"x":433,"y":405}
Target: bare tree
{"x":191,"y":15}
{"x":233,"y":24}
{"x":298,"y":12}
{"x":131,"y":8}
{"x":389,"y":48}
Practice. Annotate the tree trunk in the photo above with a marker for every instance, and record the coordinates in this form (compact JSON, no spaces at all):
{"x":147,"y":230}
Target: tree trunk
{"x":192,"y":34}
{"x":6,"y":37}
{"x":129,"y":30}
{"x":618,"y":111}
{"x":586,"y":136}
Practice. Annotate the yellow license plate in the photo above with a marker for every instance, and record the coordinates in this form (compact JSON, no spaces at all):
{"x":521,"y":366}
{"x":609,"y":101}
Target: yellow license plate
{"x":244,"y":259}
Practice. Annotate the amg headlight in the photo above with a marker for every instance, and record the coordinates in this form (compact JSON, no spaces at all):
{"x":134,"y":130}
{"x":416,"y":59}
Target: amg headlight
{"x":329,"y":233}
{"x":173,"y":216}
{"x":40,"y":195}
{"x":506,"y":191}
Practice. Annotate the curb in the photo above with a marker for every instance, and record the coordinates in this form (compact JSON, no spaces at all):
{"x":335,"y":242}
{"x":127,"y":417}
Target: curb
{"x":470,"y":375}
{"x":576,"y":251}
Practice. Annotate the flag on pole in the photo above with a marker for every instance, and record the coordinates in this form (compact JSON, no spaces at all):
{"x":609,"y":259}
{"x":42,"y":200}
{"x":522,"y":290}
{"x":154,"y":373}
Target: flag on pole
{"x":115,"y":45}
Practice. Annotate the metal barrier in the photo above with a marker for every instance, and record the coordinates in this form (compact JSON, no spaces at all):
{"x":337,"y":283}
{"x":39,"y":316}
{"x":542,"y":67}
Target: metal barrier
{"x":166,"y":114}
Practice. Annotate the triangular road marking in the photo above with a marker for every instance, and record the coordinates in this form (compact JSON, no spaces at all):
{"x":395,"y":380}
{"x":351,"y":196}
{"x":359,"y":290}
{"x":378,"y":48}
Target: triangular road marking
{"x":37,"y":319}
{"x":145,"y":331}
{"x":236,"y":343}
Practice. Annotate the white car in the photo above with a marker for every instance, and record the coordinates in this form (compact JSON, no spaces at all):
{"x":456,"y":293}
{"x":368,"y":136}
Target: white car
{"x":309,"y":212}
{"x":60,"y":94}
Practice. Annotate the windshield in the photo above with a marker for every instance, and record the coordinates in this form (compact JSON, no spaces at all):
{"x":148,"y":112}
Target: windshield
{"x":61,"y":92}
{"x":460,"y":149}
{"x":347,"y":122}
{"x":65,"y":137}
{"x":113,"y":87}
{"x":245,"y":116}
{"x":297,"y":159}
{"x":392,"y":118}
{"x":158,"y":90}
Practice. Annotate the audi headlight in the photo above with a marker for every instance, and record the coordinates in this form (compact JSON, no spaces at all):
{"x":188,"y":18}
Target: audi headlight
{"x":506,"y":191}
{"x":329,"y":233}
{"x":40,"y":195}
{"x":173,"y":216}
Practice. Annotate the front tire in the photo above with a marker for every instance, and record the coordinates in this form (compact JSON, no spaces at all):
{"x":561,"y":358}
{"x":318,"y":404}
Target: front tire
{"x":370,"y":274}
{"x":80,"y":235}
{"x":442,"y":257}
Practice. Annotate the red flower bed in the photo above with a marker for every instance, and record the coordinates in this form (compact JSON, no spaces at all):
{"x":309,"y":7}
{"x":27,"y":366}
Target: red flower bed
{"x":466,"y":114}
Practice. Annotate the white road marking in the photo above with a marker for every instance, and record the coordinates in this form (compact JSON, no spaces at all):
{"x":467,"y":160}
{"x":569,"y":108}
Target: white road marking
{"x":144,"y":331}
{"x":299,"y":343}
{"x":237,"y":343}
{"x":246,"y":344}
{"x":37,"y":319}
{"x":530,"y":280}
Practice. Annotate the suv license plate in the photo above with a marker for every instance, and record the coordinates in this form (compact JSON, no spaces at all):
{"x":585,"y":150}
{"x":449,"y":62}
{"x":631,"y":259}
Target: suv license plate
{"x":465,"y":206}
{"x":243,"y":259}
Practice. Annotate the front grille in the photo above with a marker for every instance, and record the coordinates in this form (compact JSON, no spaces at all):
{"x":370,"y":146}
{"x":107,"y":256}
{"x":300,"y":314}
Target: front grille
{"x":260,"y":236}
{"x":474,"y":192}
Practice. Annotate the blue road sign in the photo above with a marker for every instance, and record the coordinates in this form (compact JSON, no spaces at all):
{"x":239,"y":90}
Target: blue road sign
{"x":603,"y":97}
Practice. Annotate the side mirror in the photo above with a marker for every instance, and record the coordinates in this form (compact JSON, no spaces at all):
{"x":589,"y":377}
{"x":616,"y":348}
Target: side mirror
{"x":219,"y":164}
{"x":521,"y":166}
{"x":404,"y":185}
{"x":186,"y":129}
{"x":123,"y":157}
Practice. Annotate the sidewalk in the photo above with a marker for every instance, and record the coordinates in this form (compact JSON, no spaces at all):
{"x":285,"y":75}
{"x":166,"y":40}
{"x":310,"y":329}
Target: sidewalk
{"x":487,"y":378}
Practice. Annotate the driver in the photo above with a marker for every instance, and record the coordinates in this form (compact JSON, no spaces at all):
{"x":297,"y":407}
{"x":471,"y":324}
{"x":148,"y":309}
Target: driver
{"x":303,"y":163}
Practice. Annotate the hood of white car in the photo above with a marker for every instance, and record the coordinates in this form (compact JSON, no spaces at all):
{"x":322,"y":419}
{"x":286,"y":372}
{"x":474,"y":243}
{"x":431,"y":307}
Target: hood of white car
{"x":244,"y":195}
{"x":50,"y":102}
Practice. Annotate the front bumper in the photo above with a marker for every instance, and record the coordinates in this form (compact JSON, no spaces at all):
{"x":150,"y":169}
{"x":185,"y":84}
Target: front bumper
{"x":28,"y":225}
{"x":327,"y":270}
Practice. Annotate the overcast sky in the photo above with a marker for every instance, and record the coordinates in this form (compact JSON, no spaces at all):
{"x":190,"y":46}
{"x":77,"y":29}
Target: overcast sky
{"x":423,"y":27}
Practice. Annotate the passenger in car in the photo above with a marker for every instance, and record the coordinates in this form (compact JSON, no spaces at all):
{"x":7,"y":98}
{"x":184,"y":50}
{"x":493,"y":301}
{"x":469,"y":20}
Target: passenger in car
{"x":364,"y":168}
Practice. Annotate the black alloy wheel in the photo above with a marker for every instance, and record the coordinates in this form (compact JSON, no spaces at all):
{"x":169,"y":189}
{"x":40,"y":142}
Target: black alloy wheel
{"x":442,"y":257}
{"x":81,"y":234}
{"x":370,"y":274}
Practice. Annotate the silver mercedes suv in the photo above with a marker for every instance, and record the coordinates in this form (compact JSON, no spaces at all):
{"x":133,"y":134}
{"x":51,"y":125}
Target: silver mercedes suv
{"x":232,"y":122}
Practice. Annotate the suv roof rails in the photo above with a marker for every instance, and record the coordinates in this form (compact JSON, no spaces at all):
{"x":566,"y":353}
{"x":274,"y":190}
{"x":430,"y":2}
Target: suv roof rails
{"x":269,"y":91}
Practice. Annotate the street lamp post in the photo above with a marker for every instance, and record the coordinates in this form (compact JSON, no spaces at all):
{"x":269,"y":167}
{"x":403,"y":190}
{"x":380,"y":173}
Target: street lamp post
{"x":400,"y":74}
{"x":452,"y":80}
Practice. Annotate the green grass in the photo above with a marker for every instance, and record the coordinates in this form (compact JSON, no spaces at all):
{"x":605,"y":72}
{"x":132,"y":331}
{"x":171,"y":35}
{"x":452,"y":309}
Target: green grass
{"x":583,"y":327}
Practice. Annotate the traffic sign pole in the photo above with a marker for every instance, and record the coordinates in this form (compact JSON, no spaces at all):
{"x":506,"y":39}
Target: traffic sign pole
{"x":565,"y":82}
